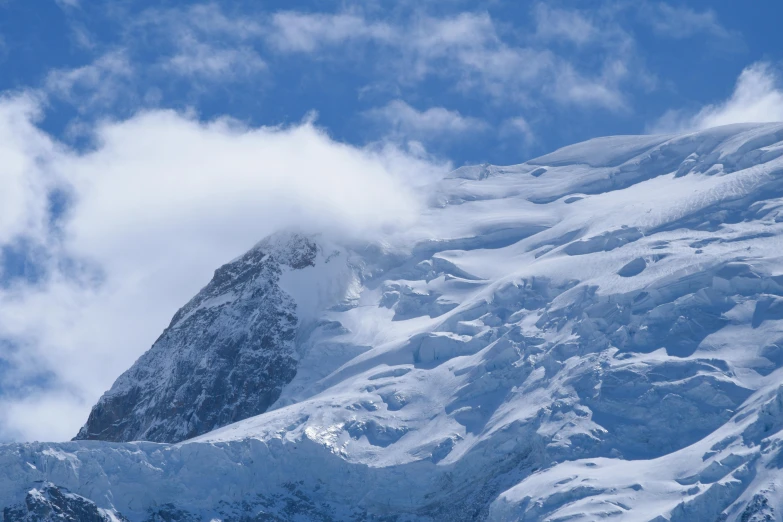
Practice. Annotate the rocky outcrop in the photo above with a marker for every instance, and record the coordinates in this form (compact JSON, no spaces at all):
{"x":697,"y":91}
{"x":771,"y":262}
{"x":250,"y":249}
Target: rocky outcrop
{"x":49,"y":503}
{"x":225,"y":356}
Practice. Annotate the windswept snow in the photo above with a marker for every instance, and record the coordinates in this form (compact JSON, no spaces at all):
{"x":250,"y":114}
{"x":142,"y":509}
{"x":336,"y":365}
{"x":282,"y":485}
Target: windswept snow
{"x":596,"y":334}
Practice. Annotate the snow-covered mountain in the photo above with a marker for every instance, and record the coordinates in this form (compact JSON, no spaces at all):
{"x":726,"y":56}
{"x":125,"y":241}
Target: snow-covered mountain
{"x":596,"y":334}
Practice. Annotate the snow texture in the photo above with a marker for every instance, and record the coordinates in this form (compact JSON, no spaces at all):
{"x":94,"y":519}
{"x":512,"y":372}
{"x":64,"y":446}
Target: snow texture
{"x":596,"y":334}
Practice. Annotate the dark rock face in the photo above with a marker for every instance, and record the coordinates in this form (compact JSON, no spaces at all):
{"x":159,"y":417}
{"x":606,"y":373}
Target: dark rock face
{"x":758,"y":510}
{"x":49,"y":503}
{"x":225,"y":356}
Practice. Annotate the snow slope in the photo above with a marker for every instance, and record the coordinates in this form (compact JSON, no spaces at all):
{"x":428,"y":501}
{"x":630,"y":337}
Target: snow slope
{"x":596,"y":334}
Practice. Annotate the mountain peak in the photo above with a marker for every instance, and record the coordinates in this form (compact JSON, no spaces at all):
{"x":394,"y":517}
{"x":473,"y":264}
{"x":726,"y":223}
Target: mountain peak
{"x":225,"y":356}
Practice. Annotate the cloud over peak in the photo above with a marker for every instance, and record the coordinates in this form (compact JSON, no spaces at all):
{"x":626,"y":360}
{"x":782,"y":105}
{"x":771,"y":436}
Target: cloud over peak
{"x":157,"y":203}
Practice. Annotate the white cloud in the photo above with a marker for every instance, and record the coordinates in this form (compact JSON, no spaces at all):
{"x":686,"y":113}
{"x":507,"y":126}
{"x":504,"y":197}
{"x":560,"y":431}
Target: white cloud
{"x":757,"y":98}
{"x":81,"y":37}
{"x":518,"y":127}
{"x":38,"y":416}
{"x":293,"y":31}
{"x":437,"y":37}
{"x":683,"y":22}
{"x":563,"y":24}
{"x":22,"y":149}
{"x":464,"y":47}
{"x":204,"y":19}
{"x":469,"y":49}
{"x":478,"y":55}
{"x":158,"y":203}
{"x":304,"y":32}
{"x":99,"y":83}
{"x":571,"y":87}
{"x":68,"y":3}
{"x":201,"y":42}
{"x":198,"y":59}
{"x":405,"y":121}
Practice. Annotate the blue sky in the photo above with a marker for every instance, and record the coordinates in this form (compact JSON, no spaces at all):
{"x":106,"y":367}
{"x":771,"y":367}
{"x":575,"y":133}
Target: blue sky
{"x":143,"y":144}
{"x":473,"y":82}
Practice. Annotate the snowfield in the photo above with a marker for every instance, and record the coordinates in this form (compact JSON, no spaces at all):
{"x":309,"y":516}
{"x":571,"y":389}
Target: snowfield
{"x":596,"y":334}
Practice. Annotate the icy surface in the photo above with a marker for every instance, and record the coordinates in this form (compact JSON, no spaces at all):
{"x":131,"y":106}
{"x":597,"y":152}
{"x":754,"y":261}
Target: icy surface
{"x":594,"y":335}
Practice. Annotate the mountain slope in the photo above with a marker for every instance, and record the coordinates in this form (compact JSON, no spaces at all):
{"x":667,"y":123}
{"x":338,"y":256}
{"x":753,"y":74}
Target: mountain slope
{"x":595,"y":334}
{"x":225,"y":356}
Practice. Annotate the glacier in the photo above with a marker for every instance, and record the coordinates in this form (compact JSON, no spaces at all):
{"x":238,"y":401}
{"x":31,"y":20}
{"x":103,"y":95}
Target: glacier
{"x":595,"y":334}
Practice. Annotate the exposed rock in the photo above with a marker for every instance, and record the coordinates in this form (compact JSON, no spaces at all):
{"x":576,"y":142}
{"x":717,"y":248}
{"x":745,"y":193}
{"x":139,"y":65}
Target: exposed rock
{"x":49,"y":503}
{"x":225,"y":356}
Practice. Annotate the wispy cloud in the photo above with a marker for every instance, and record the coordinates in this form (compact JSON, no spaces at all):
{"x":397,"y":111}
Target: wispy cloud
{"x":81,"y":37}
{"x":517,"y":127}
{"x":97,"y":84}
{"x":682,"y":22}
{"x":22,"y":150}
{"x":438,"y":37}
{"x":202,"y":60}
{"x":469,"y":49}
{"x":306,"y":32}
{"x":201,"y":42}
{"x":207,"y":19}
{"x":757,"y":98}
{"x":68,"y":3}
{"x":402,"y":120}
{"x":603,"y":90}
{"x":564,"y":24}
